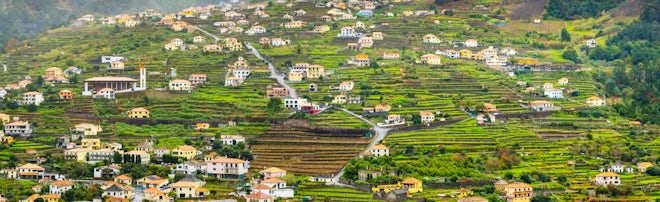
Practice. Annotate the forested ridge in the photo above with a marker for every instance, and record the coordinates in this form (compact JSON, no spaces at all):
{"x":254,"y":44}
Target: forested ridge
{"x":636,"y":76}
{"x":576,"y":9}
{"x":21,"y":19}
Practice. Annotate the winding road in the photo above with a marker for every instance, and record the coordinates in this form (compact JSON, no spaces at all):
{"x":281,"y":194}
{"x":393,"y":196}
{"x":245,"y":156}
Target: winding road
{"x":273,"y":71}
{"x":381,"y":133}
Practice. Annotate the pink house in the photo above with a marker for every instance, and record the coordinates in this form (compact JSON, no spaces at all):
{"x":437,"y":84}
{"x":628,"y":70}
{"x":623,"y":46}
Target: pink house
{"x":273,"y":172}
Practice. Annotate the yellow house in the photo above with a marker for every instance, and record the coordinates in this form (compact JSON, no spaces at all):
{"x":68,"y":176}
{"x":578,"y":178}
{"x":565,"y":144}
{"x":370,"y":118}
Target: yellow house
{"x":51,"y":198}
{"x":91,"y":143}
{"x":78,"y":154}
{"x":295,"y":76}
{"x":465,"y":53}
{"x":202,"y":126}
{"x":315,"y":71}
{"x":4,"y":118}
{"x":462,"y":193}
{"x":139,"y":112}
{"x":411,"y":185}
{"x":477,"y":56}
{"x":7,"y":139}
{"x":527,"y":61}
{"x":88,"y":129}
{"x":185,"y":151}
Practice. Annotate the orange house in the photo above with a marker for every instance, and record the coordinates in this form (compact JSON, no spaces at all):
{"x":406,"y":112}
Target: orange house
{"x":66,"y":95}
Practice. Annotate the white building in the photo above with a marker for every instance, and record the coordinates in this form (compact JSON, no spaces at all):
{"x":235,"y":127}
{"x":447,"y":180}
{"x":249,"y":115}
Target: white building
{"x":241,"y":73}
{"x":109,"y":59}
{"x":18,"y":128}
{"x":223,"y":167}
{"x":607,"y":178}
{"x":107,"y":93}
{"x":33,"y":97}
{"x":348,"y":32}
{"x":295,"y":103}
{"x":231,"y":139}
{"x":379,"y":150}
{"x":346,"y":86}
{"x":471,"y":43}
{"x":553,"y":93}
{"x":60,"y":186}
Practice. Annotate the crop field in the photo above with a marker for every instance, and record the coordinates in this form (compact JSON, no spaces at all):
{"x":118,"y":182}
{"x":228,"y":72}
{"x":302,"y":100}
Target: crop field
{"x":303,"y":152}
{"x":325,"y":193}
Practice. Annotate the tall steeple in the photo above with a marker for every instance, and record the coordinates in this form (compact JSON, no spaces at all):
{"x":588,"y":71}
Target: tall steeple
{"x":143,"y":76}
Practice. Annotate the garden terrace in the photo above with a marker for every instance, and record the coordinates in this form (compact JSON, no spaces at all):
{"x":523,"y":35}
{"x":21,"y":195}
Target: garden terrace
{"x":302,"y":152}
{"x":321,"y":192}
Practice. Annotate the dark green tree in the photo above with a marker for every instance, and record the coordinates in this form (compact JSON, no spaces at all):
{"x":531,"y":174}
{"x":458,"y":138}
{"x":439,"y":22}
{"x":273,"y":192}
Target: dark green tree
{"x":565,"y":36}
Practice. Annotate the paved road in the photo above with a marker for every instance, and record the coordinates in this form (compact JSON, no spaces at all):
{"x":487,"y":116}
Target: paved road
{"x":273,"y":72}
{"x":381,"y":133}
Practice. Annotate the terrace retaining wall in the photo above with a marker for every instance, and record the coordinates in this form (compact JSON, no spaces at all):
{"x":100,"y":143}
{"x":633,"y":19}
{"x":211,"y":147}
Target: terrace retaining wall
{"x":431,"y":125}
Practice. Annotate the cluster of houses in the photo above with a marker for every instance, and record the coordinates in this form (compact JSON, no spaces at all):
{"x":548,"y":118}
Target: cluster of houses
{"x":237,"y":72}
{"x":301,"y":71}
{"x":489,"y":55}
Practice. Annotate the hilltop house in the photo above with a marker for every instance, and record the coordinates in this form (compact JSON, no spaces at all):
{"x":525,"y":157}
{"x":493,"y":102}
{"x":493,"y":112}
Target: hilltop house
{"x":138,"y":157}
{"x":139,"y":112}
{"x":60,"y":186}
{"x":184,"y":189}
{"x":348,"y":32}
{"x":391,"y":56}
{"x":411,"y":185}
{"x":32,"y":97}
{"x":431,"y":59}
{"x":185,"y":151}
{"x":518,"y":191}
{"x":465,"y":54}
{"x":553,"y":93}
{"x":508,"y":51}
{"x":359,"y":60}
{"x":107,"y":93}
{"x":223,"y":167}
{"x":180,"y":85}
{"x":563,"y":81}
{"x":607,"y":178}
{"x":294,"y":24}
{"x":87,"y":129}
{"x":295,"y":76}
{"x":542,"y":105}
{"x":276,"y":92}
{"x":346,"y":86}
{"x":231,"y":139}
{"x":427,"y":117}
{"x":199,"y":39}
{"x":470,"y":43}
{"x":547,"y":86}
{"x":490,"y":108}
{"x":159,"y":152}
{"x":116,"y":66}
{"x":379,"y":150}
{"x":257,"y":30}
{"x":591,"y":43}
{"x":642,"y":166}
{"x":595,"y":101}
{"x":366,"y":42}
{"x":279,"y":42}
{"x":152,"y":181}
{"x":273,"y":172}
{"x":65,"y":95}
{"x":451,"y":53}
{"x":29,"y":171}
{"x":430,"y":38}
{"x":18,"y":128}
{"x":233,"y":81}
{"x":365,"y":13}
{"x":377,"y":35}
{"x":196,"y":79}
{"x":497,"y":61}
{"x":259,"y":197}
{"x":339,"y":99}
{"x":392,"y":120}
{"x":107,"y":171}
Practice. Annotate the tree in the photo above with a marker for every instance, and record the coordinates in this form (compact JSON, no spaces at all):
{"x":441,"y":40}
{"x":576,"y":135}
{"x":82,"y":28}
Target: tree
{"x":572,"y":55}
{"x":410,"y":150}
{"x":565,"y":36}
{"x":541,"y":198}
{"x":31,"y":108}
{"x":12,"y":44}
{"x":274,"y":106}
{"x":117,"y":157}
{"x":526,"y":178}
{"x":653,"y":170}
{"x":416,"y":119}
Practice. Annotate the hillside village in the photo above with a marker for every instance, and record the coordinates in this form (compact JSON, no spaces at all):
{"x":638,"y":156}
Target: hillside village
{"x":318,"y":101}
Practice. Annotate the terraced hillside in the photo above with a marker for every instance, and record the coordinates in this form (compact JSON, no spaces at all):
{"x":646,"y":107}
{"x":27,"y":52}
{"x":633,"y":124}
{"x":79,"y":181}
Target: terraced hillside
{"x":302,"y":151}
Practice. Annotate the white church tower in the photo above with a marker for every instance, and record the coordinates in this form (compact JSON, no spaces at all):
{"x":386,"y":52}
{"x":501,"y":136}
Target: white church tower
{"x":143,"y":77}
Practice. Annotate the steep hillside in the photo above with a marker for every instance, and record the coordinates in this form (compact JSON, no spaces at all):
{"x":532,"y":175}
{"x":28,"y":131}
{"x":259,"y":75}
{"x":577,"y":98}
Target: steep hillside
{"x":22,"y":19}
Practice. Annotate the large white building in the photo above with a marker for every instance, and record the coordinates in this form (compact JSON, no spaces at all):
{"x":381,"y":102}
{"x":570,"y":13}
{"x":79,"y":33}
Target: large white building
{"x":223,"y":167}
{"x":33,"y":97}
{"x":607,"y":178}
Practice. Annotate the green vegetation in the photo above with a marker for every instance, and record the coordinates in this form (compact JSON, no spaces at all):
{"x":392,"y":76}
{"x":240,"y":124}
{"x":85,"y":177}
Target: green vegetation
{"x":575,"y":9}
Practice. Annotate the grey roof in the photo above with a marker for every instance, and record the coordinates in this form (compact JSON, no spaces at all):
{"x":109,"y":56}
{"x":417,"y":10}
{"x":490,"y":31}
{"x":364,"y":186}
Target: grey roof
{"x":115,"y":188}
{"x":190,"y":178}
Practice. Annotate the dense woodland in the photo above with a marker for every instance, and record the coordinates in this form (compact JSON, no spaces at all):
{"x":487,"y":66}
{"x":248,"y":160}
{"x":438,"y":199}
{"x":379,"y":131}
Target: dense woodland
{"x":576,"y":9}
{"x":21,"y":19}
{"x":635,"y":77}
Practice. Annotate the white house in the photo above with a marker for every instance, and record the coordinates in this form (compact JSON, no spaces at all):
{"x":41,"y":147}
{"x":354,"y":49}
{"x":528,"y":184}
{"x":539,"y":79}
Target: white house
{"x":542,"y":105}
{"x":241,"y":73}
{"x":427,"y":117}
{"x":471,"y":43}
{"x":3,"y":92}
{"x":60,"y":186}
{"x":595,"y":101}
{"x":346,"y":86}
{"x":591,"y":43}
{"x":553,"y":93}
{"x":348,"y":32}
{"x":295,"y":103}
{"x":223,"y":167}
{"x":109,"y":59}
{"x":231,"y":139}
{"x":508,"y":51}
{"x":33,"y":97}
{"x":379,"y":150}
{"x":607,"y":178}
{"x":107,"y":93}
{"x":563,"y":81}
{"x":114,"y":169}
{"x":18,"y":128}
